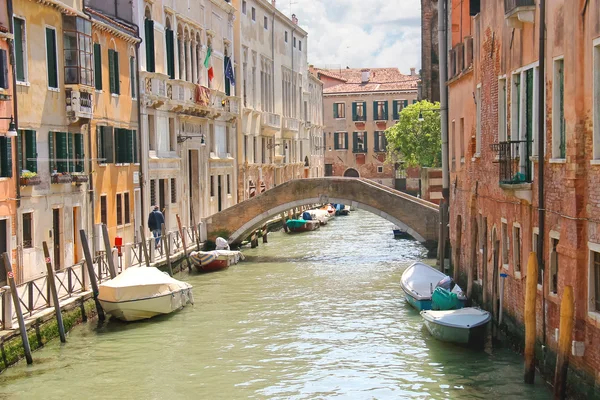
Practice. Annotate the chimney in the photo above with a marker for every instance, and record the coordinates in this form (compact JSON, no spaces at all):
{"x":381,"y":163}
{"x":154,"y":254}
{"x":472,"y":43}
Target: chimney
{"x":273,"y":3}
{"x":413,"y":72}
{"x":365,"y":75}
{"x":294,"y":18}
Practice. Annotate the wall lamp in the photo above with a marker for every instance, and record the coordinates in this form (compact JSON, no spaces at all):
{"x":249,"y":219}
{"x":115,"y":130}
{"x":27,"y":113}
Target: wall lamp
{"x":183,"y":138}
{"x":272,"y":146}
{"x":12,"y":130}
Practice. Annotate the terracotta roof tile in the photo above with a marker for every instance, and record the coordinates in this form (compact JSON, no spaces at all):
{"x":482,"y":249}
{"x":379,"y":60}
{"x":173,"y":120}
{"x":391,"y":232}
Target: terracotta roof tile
{"x":380,"y":79}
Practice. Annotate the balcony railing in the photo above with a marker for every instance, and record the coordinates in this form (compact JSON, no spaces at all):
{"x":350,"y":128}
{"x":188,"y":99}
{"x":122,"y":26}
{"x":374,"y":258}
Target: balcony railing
{"x":513,"y":161}
{"x":511,"y":5}
{"x":291,"y":124}
{"x":271,"y":120}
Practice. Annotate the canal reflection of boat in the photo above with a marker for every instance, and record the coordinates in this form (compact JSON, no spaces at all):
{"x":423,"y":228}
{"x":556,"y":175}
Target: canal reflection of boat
{"x":302,"y":225}
{"x":400,"y":233}
{"x":143,"y":292}
{"x":463,"y":326}
{"x":210,"y":261}
{"x":419,"y":282}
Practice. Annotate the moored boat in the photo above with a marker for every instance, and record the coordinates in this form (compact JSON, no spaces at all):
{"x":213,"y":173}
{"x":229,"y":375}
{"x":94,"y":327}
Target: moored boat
{"x":302,"y":225}
{"x":400,"y":233}
{"x":463,"y":326}
{"x":143,"y":292}
{"x":419,"y":282}
{"x":319,"y":215}
{"x":211,"y":261}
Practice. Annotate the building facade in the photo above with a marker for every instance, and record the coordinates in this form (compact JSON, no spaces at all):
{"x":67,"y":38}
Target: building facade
{"x":494,"y":164}
{"x":359,"y":105}
{"x":55,"y":101}
{"x":430,"y":52}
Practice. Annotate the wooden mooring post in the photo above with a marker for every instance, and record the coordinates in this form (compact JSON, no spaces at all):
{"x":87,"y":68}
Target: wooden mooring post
{"x":265,"y":232}
{"x":167,"y":247}
{"x":530,"y":331}
{"x":567,"y":311}
{"x":145,"y":246}
{"x":109,"y":258}
{"x":283,"y":222}
{"x":185,"y":253}
{"x":54,"y":293}
{"x":10,"y":277}
{"x":89,"y":262}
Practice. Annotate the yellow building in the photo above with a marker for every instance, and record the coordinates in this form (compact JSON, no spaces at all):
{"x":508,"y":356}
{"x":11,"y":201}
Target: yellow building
{"x":114,"y":128}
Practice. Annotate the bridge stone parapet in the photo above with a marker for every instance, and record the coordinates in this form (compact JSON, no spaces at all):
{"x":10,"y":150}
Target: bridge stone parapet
{"x":419,"y":217}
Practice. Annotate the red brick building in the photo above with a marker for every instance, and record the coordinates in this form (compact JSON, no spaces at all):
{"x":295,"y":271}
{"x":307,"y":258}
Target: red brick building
{"x":493,"y":133}
{"x":360,"y":104}
{"x":430,"y":65}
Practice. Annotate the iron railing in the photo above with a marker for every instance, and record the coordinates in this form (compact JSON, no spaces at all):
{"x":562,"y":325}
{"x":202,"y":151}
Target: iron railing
{"x":511,"y":5}
{"x":513,"y":160}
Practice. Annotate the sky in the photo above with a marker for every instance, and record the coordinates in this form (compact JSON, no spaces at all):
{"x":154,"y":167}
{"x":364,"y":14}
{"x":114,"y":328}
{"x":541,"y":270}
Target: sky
{"x":360,"y":33}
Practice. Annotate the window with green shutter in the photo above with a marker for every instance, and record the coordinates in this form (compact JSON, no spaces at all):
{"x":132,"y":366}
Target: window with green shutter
{"x":136,"y":151}
{"x":149,"y":31}
{"x":27,"y":150}
{"x":51,"y":58}
{"x":129,"y":148}
{"x":4,"y":83}
{"x":359,"y":142}
{"x":359,"y":111}
{"x":79,"y":153}
{"x":380,"y":110}
{"x":70,"y":152}
{"x":6,"y":157}
{"x":415,"y":101}
{"x":61,"y":151}
{"x":97,"y":66}
{"x":20,"y":46}
{"x":132,"y":77}
{"x":51,"y":158}
{"x":113,"y":71}
{"x":105,"y":144}
{"x":339,"y":110}
{"x":170,"y":53}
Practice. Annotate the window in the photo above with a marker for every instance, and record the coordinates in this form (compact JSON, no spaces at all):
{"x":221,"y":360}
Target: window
{"x":359,"y":111}
{"x":127,"y":212}
{"x":380,"y":110}
{"x":6,"y":157}
{"x":20,"y":45}
{"x":27,"y":150}
{"x":125,"y":143}
{"x":66,"y":152}
{"x":28,"y":230}
{"x":380,"y":141}
{"x":339,"y":110}
{"x":340,"y":141}
{"x":97,"y":66}
{"x":515,"y":107}
{"x":104,"y":137}
{"x":501,"y":110}
{"x":103,"y":210}
{"x":119,"y":204}
{"x":462,"y":140}
{"x":397,"y":107}
{"x":132,"y":71}
{"x":478,"y":121}
{"x":595,"y":281}
{"x":559,"y":133}
{"x":359,"y":142}
{"x":51,"y":58}
{"x":150,"y":57}
{"x":553,"y":265}
{"x":294,"y":42}
{"x":379,"y":169}
{"x":286,"y":36}
{"x":4,"y":84}
{"x":328,"y":169}
{"x":596,"y":108}
{"x":152,"y":192}
{"x":244,"y":7}
{"x":453,"y":145}
{"x":228,"y":184}
{"x":266,"y":23}
{"x":77,"y":38}
{"x":505,"y":244}
{"x":300,"y":45}
{"x":253,"y":14}
{"x":113,"y":71}
{"x":170,"y":38}
{"x":212,"y":186}
{"x":517,"y":247}
{"x":173,"y":190}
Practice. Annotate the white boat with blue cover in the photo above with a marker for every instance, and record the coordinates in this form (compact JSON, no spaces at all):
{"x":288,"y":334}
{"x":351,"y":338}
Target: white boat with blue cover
{"x":463,"y":326}
{"x":419,"y":282}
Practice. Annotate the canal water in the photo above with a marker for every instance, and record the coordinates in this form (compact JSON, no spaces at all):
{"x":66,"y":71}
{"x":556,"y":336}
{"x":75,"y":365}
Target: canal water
{"x":318,"y":315}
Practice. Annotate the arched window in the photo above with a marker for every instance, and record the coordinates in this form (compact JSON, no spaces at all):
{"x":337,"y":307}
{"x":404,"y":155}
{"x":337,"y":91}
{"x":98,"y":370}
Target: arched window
{"x":133,"y":73}
{"x":180,"y":51}
{"x":170,"y":42}
{"x":149,"y":33}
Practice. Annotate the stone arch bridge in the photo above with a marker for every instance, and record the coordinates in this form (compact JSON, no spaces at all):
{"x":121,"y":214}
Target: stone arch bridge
{"x":419,"y":217}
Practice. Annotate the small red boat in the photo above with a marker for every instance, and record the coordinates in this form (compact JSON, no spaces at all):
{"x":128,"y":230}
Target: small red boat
{"x":216,"y":260}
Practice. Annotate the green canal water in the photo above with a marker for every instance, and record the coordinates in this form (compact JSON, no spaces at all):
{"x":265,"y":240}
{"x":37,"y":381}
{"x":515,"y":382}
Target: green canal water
{"x":310,"y":316}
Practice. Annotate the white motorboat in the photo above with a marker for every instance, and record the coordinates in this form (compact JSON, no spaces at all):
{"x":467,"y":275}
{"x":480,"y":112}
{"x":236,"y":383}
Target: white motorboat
{"x":320,"y":215}
{"x":143,"y":292}
{"x":419,"y":282}
{"x":463,"y":326}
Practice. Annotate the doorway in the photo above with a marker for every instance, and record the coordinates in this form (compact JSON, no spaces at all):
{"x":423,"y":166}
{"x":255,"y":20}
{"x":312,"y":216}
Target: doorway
{"x":56,"y":233}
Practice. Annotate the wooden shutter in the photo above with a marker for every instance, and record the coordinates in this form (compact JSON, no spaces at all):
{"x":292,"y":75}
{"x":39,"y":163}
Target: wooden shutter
{"x":108,"y":145}
{"x":70,"y":145}
{"x":354,"y":141}
{"x":79,"y":153}
{"x":111,"y":70}
{"x":395,"y":110}
{"x":51,"y":158}
{"x":135,"y":147}
{"x":51,"y":58}
{"x":100,"y":144}
{"x":117,"y":75}
{"x":375,"y":141}
{"x":353,"y":111}
{"x":20,"y":135}
{"x":375,"y":116}
{"x":130,"y":148}
{"x":346,"y":140}
{"x":132,"y":72}
{"x":405,"y":103}
{"x":365,"y":142}
{"x":336,"y":140}
{"x":18,"y":42}
{"x":5,"y":157}
{"x":61,"y":151}
{"x":365,"y":110}
{"x":170,"y":54}
{"x":335,"y":111}
{"x":149,"y":30}
{"x":3,"y":69}
{"x":97,"y":66}
{"x":30,"y":151}
{"x":385,"y":110}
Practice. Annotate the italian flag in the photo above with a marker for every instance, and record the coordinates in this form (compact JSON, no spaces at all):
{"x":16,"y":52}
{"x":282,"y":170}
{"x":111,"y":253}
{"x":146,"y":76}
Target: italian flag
{"x":208,"y":64}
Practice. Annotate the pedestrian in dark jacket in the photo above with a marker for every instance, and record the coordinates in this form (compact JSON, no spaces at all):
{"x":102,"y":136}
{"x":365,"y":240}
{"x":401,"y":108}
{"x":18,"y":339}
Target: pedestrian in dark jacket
{"x":155,"y":221}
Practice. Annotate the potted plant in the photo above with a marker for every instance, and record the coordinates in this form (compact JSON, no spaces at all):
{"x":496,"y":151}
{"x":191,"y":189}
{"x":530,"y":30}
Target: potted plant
{"x":29,"y":178}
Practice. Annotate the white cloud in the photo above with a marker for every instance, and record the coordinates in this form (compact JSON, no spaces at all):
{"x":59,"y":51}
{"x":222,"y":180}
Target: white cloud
{"x":360,"y":33}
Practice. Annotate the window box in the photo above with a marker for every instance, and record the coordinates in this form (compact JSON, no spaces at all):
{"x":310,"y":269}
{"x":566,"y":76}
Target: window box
{"x":381,"y":125}
{"x":61,"y":178}
{"x":79,"y":179}
{"x":31,"y":181}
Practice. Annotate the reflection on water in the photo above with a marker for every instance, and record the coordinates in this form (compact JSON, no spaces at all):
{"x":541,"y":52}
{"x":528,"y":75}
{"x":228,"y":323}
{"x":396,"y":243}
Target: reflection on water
{"x":307,"y":316}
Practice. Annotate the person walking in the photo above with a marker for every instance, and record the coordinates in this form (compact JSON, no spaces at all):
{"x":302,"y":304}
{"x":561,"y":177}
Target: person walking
{"x":155,"y":221}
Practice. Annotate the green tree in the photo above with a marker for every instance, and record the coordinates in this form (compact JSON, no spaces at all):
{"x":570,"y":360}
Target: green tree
{"x":417,"y":143}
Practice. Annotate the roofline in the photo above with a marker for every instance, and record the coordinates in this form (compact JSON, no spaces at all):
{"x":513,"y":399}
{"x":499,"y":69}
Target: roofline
{"x":371,"y":92}
{"x":282,"y":16}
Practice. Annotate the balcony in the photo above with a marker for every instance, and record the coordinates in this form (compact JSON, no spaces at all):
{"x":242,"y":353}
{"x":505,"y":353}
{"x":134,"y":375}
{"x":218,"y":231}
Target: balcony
{"x":232,"y":105}
{"x":155,"y":89}
{"x":79,"y":104}
{"x":291,"y":124}
{"x":518,"y":12}
{"x":271,"y":122}
{"x":513,"y":160}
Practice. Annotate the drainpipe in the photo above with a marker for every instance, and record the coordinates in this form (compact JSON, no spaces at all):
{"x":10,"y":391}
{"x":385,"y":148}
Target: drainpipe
{"x":443,"y":59}
{"x":11,"y":50}
{"x":139,"y":117}
{"x":541,"y":156}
